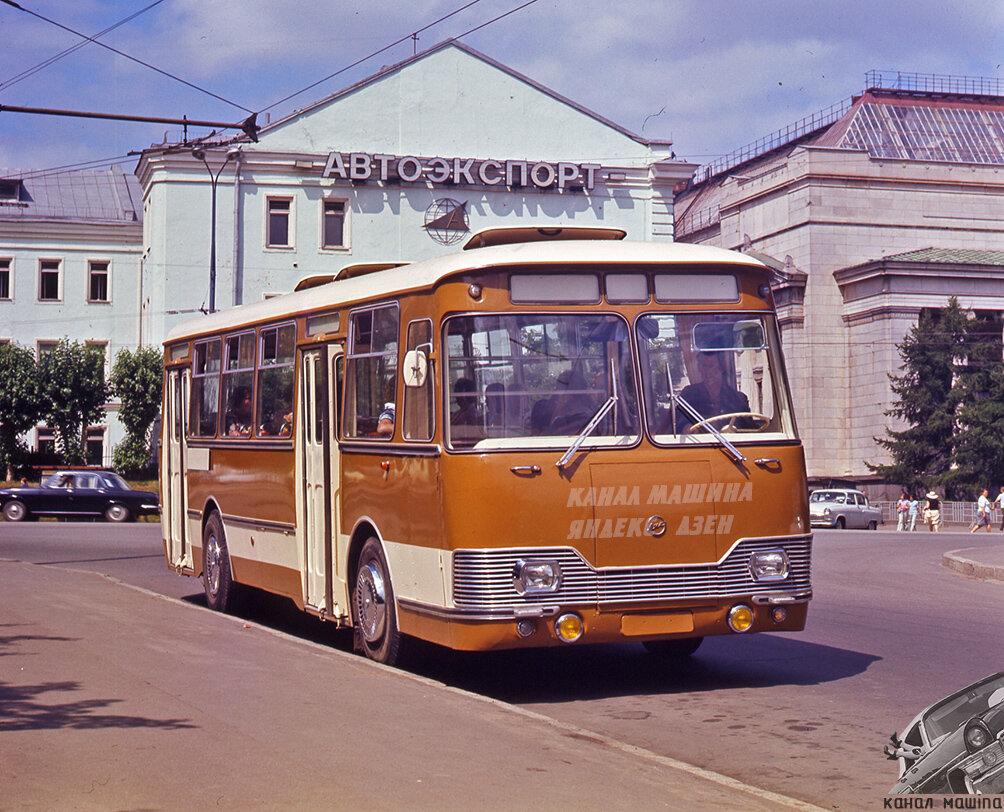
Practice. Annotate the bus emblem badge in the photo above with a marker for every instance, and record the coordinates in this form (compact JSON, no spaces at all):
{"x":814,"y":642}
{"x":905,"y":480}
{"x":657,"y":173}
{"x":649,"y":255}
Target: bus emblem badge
{"x":656,"y":526}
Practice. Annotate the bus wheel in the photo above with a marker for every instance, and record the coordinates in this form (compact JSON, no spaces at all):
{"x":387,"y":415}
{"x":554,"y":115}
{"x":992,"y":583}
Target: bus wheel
{"x":673,"y":649}
{"x":376,"y":629}
{"x":221,"y":591}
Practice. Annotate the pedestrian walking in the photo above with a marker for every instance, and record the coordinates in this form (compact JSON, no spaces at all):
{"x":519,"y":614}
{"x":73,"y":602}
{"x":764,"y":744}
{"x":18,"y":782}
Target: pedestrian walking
{"x":982,"y":511}
{"x":915,"y":509}
{"x":902,"y":509}
{"x":932,"y":512}
{"x":999,"y":504}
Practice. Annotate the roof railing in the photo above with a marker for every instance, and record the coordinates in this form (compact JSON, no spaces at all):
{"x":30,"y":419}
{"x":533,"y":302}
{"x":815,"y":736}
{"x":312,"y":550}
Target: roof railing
{"x":874,"y":80}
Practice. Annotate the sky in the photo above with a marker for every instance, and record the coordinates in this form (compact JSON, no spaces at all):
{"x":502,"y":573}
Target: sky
{"x":709,"y":75}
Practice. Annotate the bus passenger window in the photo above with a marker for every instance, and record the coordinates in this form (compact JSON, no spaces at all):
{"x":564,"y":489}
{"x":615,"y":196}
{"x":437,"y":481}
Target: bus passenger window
{"x":418,"y":393}
{"x":274,"y":417}
{"x":371,"y":380}
{"x":238,"y":385}
{"x":205,"y":398}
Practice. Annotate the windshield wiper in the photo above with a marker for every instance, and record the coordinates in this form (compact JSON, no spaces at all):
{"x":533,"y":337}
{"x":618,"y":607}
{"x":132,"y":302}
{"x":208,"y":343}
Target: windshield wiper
{"x":594,"y":422}
{"x":699,"y":419}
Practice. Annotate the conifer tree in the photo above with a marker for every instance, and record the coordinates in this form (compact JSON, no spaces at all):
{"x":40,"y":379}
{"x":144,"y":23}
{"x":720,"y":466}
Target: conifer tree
{"x":979,"y":391}
{"x":923,"y":451}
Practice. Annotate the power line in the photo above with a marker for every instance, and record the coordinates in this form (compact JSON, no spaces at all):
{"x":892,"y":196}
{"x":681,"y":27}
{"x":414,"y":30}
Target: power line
{"x":414,"y":34}
{"x":411,"y":36}
{"x":52,"y":59}
{"x":12,"y":4}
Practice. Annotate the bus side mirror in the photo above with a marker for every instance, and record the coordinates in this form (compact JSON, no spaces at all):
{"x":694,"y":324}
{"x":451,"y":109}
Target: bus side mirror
{"x":415,"y":369}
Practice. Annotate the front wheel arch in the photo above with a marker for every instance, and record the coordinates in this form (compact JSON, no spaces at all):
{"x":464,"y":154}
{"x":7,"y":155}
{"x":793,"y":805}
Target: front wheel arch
{"x":841,"y":524}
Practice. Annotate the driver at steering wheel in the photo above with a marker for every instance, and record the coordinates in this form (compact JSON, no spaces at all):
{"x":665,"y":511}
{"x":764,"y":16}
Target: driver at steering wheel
{"x":712,"y":394}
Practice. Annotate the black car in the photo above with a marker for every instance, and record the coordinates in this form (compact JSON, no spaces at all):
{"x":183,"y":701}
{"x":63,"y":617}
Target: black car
{"x":956,"y":745}
{"x":78,"y":493}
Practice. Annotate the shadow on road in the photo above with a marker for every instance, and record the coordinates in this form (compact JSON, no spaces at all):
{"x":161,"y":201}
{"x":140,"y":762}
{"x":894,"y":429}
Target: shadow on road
{"x":571,"y":673}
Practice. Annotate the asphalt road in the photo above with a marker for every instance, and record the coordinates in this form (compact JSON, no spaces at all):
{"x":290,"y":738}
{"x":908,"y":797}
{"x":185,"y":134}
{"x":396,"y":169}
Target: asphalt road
{"x":802,"y":715}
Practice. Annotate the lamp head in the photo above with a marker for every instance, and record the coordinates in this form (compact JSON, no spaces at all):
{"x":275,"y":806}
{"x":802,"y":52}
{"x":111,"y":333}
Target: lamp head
{"x":199,"y":153}
{"x":234,"y":153}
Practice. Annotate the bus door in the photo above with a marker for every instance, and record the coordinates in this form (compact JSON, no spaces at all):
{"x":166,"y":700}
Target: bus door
{"x":175,"y":450}
{"x":318,"y":476}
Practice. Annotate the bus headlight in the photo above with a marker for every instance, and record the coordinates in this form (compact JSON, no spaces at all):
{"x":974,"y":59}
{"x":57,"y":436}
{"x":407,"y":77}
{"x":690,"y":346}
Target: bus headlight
{"x":769,"y":565}
{"x":536,"y":577}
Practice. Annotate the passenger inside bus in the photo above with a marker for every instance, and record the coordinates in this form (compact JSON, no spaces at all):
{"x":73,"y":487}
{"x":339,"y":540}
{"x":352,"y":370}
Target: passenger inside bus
{"x":385,"y":423}
{"x":566,"y":411}
{"x":466,"y":413}
{"x":712,"y":394}
{"x":239,"y":415}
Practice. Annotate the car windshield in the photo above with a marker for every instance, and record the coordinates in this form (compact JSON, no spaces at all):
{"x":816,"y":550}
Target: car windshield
{"x":713,"y":370}
{"x":829,"y":496}
{"x":534,"y":380}
{"x":948,"y":715}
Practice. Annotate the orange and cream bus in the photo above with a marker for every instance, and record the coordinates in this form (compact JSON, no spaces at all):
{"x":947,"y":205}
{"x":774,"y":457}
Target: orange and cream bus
{"x":551,"y":437}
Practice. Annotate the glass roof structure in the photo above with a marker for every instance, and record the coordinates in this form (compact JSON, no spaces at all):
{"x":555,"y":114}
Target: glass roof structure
{"x":927,"y":132}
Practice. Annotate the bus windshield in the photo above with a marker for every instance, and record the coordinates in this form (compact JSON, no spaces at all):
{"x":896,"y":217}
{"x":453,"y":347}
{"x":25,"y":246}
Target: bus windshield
{"x":535,"y":380}
{"x":711,"y":371}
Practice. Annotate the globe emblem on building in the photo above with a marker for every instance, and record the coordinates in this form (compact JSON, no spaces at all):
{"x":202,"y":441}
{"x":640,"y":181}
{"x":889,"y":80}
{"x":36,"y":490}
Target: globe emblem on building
{"x":446,"y":221}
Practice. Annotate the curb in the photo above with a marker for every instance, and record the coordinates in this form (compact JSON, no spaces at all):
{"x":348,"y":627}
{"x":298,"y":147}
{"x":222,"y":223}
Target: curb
{"x":954,"y":560}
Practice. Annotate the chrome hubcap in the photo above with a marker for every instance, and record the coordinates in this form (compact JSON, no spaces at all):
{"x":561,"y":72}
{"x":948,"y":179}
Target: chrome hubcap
{"x":371,"y":603}
{"x":213,"y":565}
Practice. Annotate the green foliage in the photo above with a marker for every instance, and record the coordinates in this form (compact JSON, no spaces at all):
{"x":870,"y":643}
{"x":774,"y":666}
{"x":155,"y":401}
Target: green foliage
{"x":137,"y":379}
{"x":19,"y":401}
{"x":951,"y":396}
{"x":132,"y":457}
{"x":72,"y":391}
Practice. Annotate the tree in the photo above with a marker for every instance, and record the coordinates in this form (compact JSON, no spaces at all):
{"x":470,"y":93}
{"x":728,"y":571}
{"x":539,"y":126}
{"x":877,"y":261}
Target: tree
{"x":923,"y":453}
{"x":137,"y":380}
{"x":19,"y":402}
{"x":73,"y":391}
{"x":979,"y":388}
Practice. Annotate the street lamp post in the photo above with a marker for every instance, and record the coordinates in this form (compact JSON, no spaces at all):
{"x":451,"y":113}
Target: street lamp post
{"x":200,"y":154}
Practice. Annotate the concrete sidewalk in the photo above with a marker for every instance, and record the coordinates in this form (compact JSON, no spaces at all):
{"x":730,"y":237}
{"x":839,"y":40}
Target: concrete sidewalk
{"x":112,"y":697}
{"x":985,"y":562}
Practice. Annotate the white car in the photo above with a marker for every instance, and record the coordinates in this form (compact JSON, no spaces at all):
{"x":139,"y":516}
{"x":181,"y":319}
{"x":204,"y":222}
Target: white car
{"x":842,"y":507}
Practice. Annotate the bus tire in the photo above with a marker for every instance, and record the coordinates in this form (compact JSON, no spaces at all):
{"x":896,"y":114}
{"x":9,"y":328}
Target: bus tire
{"x":673,"y":649}
{"x":373,"y":610}
{"x":217,"y":578}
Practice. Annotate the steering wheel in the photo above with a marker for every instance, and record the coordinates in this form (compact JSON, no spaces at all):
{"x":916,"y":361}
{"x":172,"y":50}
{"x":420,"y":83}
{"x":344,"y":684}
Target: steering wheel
{"x":729,"y":421}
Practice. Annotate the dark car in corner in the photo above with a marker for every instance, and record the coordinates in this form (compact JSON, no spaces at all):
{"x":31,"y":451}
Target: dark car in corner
{"x":956,"y":745}
{"x":78,"y":494}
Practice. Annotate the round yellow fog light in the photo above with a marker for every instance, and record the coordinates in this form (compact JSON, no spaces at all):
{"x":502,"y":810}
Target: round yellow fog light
{"x":740,"y":618}
{"x":568,"y":628}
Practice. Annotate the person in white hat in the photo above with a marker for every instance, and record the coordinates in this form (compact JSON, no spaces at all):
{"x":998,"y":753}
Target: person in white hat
{"x":932,"y":512}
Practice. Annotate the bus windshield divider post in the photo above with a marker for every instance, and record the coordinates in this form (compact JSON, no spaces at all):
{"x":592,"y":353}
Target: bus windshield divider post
{"x":699,"y":419}
{"x":592,"y":424}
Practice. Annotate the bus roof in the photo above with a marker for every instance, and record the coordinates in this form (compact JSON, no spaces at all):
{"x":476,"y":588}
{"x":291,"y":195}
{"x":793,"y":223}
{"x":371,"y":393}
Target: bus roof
{"x":394,"y":281}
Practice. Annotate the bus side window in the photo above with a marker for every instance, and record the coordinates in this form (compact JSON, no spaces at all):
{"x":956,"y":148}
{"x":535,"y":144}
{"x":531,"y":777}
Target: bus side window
{"x":371,"y":373}
{"x":205,"y":398}
{"x":274,"y":417}
{"x":418,"y":398}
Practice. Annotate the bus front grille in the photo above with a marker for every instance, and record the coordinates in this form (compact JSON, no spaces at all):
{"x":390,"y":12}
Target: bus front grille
{"x":482,"y":579}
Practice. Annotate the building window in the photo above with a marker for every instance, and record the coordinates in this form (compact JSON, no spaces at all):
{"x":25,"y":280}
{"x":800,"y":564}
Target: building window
{"x":333,"y":224}
{"x":44,"y":347}
{"x":5,"y":286}
{"x":97,"y":282}
{"x":95,"y":445}
{"x":279,"y":221}
{"x":45,"y":441}
{"x":49,"y":278}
